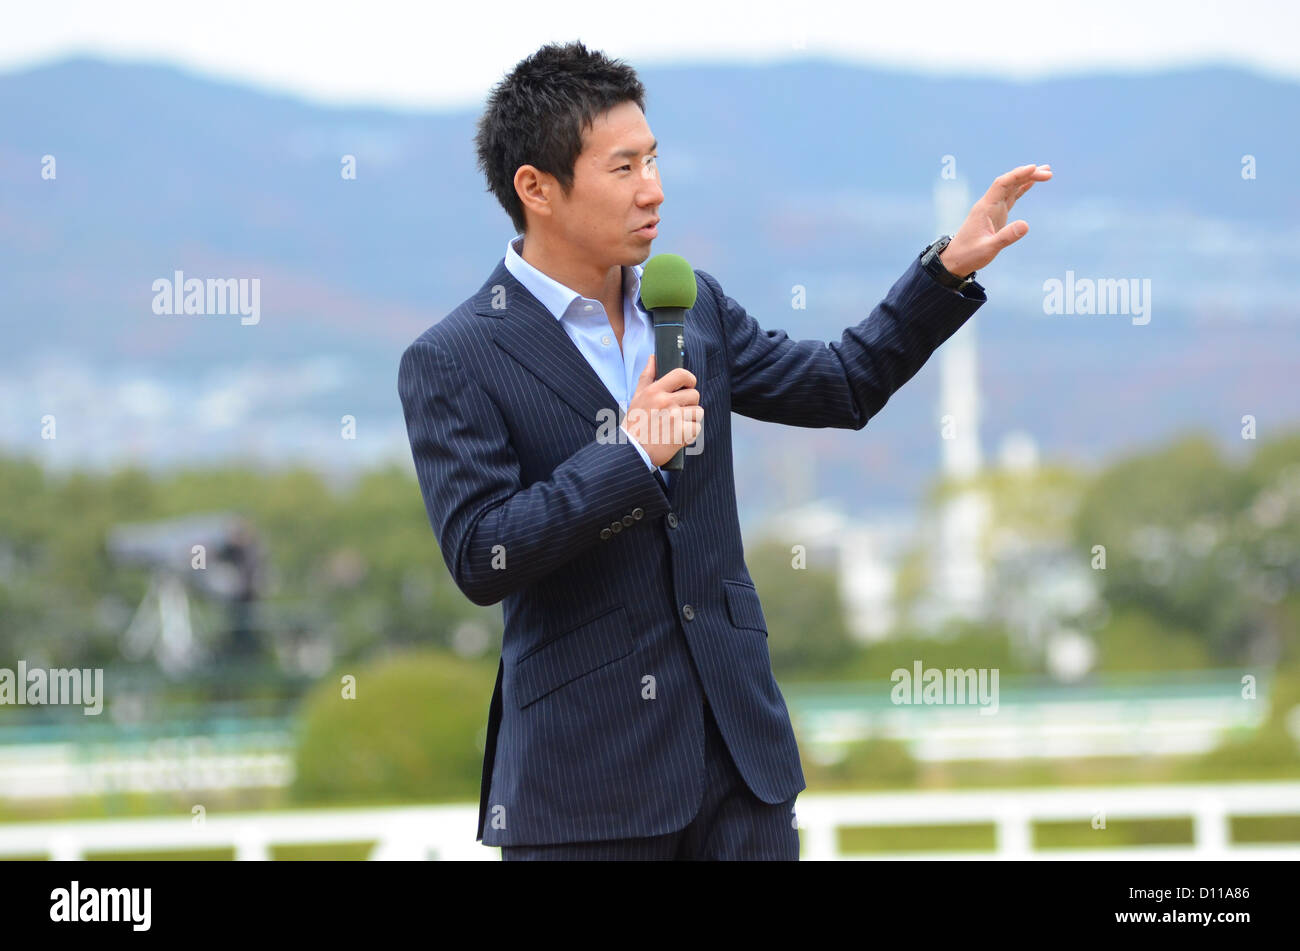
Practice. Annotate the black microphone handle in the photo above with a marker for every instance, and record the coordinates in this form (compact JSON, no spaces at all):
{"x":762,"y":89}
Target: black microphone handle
{"x":670,"y":348}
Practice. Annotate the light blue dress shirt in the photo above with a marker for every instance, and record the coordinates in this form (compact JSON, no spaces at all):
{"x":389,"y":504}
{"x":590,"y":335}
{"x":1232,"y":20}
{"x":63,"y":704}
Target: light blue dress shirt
{"x":587,"y":325}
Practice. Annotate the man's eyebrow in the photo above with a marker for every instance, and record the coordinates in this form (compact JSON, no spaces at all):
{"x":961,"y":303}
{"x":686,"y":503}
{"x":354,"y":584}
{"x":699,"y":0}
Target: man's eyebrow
{"x":632,"y":153}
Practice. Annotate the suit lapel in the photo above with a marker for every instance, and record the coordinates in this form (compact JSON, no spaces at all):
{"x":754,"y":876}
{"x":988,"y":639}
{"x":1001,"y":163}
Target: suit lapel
{"x":529,"y":332}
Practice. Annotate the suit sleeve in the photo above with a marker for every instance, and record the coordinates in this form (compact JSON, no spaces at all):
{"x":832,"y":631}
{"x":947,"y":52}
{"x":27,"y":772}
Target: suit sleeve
{"x":470,"y":478}
{"x":842,"y":385}
{"x":645,"y":456}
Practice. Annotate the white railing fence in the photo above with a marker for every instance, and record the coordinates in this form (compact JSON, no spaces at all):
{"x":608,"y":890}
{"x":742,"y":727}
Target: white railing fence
{"x":447,"y":832}
{"x":1014,"y":811}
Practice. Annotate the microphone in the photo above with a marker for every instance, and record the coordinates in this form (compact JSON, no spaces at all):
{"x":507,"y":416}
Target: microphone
{"x":668,"y":290}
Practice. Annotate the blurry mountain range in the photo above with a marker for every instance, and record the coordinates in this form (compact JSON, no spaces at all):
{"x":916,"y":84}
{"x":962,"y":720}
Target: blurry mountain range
{"x":807,"y":173}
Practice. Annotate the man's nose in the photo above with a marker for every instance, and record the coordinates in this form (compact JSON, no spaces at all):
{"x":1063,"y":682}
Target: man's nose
{"x":652,"y":193}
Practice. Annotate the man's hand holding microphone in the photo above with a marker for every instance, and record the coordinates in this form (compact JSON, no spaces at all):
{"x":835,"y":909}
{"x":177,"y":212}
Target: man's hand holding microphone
{"x":665,"y":414}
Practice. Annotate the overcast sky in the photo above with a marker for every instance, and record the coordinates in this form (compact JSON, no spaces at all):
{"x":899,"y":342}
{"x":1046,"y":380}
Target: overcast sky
{"x":446,"y":52}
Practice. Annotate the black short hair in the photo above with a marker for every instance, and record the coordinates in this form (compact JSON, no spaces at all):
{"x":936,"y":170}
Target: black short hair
{"x":537,"y":114}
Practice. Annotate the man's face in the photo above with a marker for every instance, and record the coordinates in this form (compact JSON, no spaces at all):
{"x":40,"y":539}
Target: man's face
{"x":615,"y":191}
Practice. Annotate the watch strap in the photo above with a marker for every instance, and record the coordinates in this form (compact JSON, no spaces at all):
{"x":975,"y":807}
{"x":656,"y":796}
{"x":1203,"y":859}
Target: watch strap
{"x":930,"y":261}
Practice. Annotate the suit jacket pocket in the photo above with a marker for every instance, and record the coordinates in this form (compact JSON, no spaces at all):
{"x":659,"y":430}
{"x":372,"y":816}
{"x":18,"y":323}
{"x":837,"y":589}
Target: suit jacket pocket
{"x":743,"y":606}
{"x":573,"y":654}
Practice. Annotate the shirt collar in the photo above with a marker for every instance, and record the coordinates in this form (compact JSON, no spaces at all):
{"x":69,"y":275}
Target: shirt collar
{"x":554,"y":296}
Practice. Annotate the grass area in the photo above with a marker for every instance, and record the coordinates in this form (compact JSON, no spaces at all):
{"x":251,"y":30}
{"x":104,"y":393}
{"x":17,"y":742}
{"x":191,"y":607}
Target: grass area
{"x":973,"y":837}
{"x":1265,"y":828}
{"x":164,"y":855}
{"x":1119,"y":833}
{"x":329,"y":852}
{"x":172,"y":805}
{"x":897,"y":775}
{"x":139,"y":805}
{"x":1079,"y":834}
{"x":873,"y":771}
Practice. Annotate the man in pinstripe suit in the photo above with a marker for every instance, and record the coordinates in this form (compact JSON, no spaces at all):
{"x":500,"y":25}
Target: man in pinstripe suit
{"x":635,"y":715}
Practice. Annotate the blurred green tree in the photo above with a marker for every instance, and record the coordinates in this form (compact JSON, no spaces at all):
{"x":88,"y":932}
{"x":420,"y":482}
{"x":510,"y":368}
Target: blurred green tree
{"x":413,"y":733}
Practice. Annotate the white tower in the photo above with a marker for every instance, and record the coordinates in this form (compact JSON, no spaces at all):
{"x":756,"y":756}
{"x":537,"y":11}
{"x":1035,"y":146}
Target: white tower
{"x":958,"y":362}
{"x":959,"y":577}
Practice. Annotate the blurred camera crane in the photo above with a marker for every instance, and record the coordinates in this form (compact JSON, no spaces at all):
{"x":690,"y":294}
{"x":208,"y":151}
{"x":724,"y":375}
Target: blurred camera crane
{"x":217,"y":555}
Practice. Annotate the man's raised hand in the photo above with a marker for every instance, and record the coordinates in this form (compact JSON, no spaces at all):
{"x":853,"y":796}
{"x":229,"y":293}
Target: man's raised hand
{"x":985,"y":231}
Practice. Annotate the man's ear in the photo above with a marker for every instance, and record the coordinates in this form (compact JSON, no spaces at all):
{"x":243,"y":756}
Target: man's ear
{"x":534,"y":189}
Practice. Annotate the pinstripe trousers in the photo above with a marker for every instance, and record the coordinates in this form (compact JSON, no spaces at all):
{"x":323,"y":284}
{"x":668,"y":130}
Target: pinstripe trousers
{"x":732,"y":824}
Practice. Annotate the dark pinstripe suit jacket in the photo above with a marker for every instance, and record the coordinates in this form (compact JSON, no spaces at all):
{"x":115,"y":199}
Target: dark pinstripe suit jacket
{"x":624,"y":608}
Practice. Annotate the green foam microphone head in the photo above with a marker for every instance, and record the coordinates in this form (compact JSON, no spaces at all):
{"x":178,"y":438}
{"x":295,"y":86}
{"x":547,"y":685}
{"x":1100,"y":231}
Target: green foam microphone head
{"x":667,"y":281}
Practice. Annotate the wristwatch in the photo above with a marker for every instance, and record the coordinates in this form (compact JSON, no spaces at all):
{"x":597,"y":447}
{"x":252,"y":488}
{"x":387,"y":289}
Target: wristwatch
{"x":930,"y":261}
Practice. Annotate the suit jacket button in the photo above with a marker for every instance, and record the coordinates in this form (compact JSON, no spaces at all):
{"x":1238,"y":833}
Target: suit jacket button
{"x":672,"y":520}
{"x":605,"y":533}
{"x":638,"y":513}
{"x":628,"y":520}
{"x":688,"y":612}
{"x":616,"y":527}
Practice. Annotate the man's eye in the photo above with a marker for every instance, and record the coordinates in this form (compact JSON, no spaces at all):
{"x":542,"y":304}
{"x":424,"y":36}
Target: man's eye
{"x":654,"y":159}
